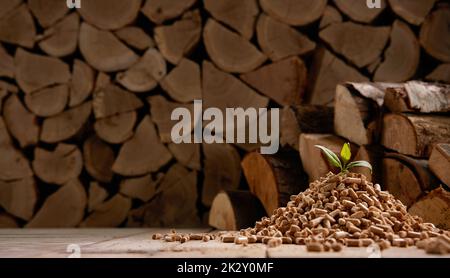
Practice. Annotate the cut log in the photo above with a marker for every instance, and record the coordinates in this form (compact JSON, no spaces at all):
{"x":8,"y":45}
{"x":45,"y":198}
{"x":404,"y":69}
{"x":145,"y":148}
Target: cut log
{"x":299,"y":119}
{"x":274,"y":178}
{"x":183,"y":83}
{"x":116,"y":129}
{"x":440,"y":162}
{"x":235,"y":210}
{"x":160,"y":10}
{"x":416,"y":96}
{"x":49,"y":101}
{"x":103,"y":51}
{"x":65,"y":125}
{"x":179,"y":39}
{"x":6,"y":64}
{"x":98,"y":159}
{"x":143,"y":153}
{"x":135,"y":37}
{"x":330,"y":15}
{"x":7,"y":221}
{"x":414,"y":135}
{"x":97,"y":195}
{"x":435,"y":34}
{"x":34,"y":72}
{"x":187,"y":155}
{"x":59,"y":166}
{"x":358,"y":10}
{"x":110,"y":14}
{"x":111,"y":100}
{"x":102,"y":81}
{"x":17,"y":27}
{"x":441,"y":73}
{"x":145,"y":74}
{"x":223,"y":90}
{"x":326,"y":72}
{"x":110,"y":213}
{"x":278,"y":40}
{"x":82,"y":83}
{"x":298,"y":13}
{"x":222,"y":170}
{"x":283,"y":81}
{"x":62,"y":209}
{"x":360,"y":44}
{"x":142,"y":188}
{"x":373,"y":154}
{"x":413,"y":11}
{"x":19,"y":197}
{"x":62,"y":38}
{"x":8,"y":5}
{"x":229,"y":51}
{"x":47,"y":12}
{"x":401,"y":57}
{"x":21,"y":123}
{"x":239,"y":15}
{"x":434,"y":208}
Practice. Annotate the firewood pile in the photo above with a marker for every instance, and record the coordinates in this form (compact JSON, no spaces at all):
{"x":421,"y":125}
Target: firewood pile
{"x":86,"y":97}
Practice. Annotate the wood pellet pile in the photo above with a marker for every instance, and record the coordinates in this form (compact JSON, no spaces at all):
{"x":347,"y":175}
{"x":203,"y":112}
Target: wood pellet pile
{"x":337,"y":211}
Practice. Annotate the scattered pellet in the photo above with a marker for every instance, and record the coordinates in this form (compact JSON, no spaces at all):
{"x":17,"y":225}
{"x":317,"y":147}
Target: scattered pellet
{"x":241,"y":240}
{"x":314,"y":247}
{"x":157,"y":236}
{"x":274,"y":242}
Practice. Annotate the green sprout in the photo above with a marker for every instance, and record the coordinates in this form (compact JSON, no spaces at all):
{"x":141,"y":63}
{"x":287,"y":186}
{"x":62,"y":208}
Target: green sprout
{"x":343,"y":162}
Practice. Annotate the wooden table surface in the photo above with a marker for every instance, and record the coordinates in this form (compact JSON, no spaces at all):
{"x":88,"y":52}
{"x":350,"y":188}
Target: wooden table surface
{"x":125,"y":243}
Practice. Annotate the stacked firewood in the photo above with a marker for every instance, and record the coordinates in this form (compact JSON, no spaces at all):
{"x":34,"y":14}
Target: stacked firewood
{"x":86,"y":98}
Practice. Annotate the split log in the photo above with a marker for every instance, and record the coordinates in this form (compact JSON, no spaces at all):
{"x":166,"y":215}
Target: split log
{"x":116,"y":129}
{"x":7,"y":221}
{"x":222,"y":170}
{"x":6,"y":64}
{"x":299,"y":119}
{"x":401,"y":57}
{"x":65,"y":125}
{"x":374,"y":154}
{"x":142,"y":188}
{"x":159,"y":11}
{"x":183,"y":83}
{"x":110,"y":14}
{"x":103,"y":51}
{"x":145,"y":74}
{"x":98,"y":159}
{"x":143,"y":153}
{"x":434,"y":208}
{"x":416,"y":96}
{"x":278,"y":40}
{"x":49,"y":101}
{"x":358,"y":10}
{"x":412,"y":11}
{"x":326,"y":72}
{"x":8,"y":5}
{"x":235,"y":210}
{"x":440,"y":162}
{"x":34,"y":72}
{"x":102,"y":81}
{"x":298,"y":13}
{"x":440,"y":73}
{"x":274,"y":178}
{"x":330,"y":15}
{"x":414,"y":135}
{"x":62,"y":209}
{"x":229,"y":51}
{"x":110,"y":213}
{"x":135,"y":37}
{"x":62,"y":38}
{"x":82,"y":82}
{"x":111,"y":100}
{"x":59,"y":166}
{"x":187,"y":155}
{"x":239,"y":15}
{"x":47,"y":12}
{"x":179,"y":39}
{"x":435,"y":34}
{"x":19,"y":197}
{"x":360,"y":44}
{"x":17,"y":27}
{"x":21,"y":123}
{"x":97,"y":195}
{"x":283,"y":81}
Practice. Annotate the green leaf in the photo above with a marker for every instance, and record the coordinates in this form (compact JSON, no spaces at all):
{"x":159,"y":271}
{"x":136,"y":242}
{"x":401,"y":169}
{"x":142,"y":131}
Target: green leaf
{"x":346,"y":153}
{"x":331,"y":157}
{"x":360,"y":163}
